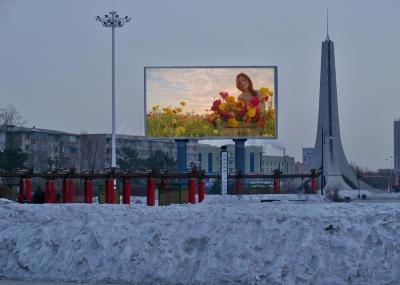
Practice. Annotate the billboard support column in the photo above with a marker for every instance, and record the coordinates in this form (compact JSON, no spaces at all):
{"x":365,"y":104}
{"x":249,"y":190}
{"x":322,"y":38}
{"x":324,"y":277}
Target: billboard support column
{"x":181,"y":147}
{"x":239,"y":155}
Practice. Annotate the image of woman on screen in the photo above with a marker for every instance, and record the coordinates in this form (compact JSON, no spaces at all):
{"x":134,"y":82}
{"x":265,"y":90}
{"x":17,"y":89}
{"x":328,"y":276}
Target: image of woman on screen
{"x":249,"y":95}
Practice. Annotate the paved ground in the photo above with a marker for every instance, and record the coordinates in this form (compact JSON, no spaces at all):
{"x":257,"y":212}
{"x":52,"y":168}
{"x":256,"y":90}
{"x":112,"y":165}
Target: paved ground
{"x":12,"y":282}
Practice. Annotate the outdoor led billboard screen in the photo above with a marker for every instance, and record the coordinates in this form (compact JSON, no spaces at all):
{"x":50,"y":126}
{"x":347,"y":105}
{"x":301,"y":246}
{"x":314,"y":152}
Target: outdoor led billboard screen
{"x":211,"y":102}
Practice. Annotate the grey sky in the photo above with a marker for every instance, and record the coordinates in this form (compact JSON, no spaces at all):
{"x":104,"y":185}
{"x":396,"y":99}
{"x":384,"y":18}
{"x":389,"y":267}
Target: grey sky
{"x":55,"y":61}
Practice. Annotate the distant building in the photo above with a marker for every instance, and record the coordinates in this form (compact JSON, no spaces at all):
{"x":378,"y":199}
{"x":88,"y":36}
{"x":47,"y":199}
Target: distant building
{"x":209,"y":157}
{"x":299,"y":167}
{"x":96,"y":148}
{"x":307,"y":154}
{"x":46,"y":149}
{"x":396,"y":144}
{"x":283,"y":163}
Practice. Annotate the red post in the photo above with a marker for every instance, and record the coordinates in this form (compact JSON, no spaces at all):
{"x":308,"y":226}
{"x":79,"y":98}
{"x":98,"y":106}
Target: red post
{"x":111,"y":191}
{"x":70,"y":190}
{"x":85,"y":190}
{"x":313,"y":182}
{"x":151,"y":192}
{"x":64,"y":191}
{"x":238,"y":186}
{"x":276,"y":181}
{"x":202,"y":190}
{"x":106,"y":194}
{"x":52,"y":191}
{"x":28,"y":186}
{"x":46,"y":191}
{"x":126,"y":191}
{"x":89,"y":191}
{"x":21,"y":190}
{"x":191,"y":191}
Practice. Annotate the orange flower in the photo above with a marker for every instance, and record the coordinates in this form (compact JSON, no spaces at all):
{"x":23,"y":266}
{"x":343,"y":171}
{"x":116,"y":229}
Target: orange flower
{"x":233,"y":123}
{"x":230,"y":99}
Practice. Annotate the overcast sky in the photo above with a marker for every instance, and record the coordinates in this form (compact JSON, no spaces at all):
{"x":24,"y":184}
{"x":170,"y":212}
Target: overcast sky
{"x":55,"y":61}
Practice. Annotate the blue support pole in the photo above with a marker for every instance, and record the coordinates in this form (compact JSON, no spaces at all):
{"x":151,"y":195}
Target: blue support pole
{"x":181,"y":147}
{"x":239,"y":155}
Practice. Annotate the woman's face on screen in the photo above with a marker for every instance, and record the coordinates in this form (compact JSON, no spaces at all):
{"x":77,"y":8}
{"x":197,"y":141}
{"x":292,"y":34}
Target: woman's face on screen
{"x":243,"y":83}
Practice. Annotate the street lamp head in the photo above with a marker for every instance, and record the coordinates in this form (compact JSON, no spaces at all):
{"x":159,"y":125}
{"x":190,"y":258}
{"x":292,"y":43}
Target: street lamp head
{"x":113,"y":20}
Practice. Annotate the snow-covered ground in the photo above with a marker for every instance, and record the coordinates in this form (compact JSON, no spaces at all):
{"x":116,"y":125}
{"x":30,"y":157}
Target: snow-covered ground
{"x":225,"y":240}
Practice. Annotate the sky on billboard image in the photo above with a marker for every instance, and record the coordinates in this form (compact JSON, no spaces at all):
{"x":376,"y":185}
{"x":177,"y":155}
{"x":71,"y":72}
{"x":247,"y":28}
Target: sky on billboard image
{"x":210,"y":102}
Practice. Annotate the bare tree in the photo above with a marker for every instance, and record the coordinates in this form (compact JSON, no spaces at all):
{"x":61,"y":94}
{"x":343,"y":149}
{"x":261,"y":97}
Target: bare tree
{"x":92,"y":152}
{"x":9,"y":116}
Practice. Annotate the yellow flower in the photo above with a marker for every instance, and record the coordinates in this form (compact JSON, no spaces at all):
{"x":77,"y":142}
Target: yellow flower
{"x":178,"y":110}
{"x":167,"y":111}
{"x":233,"y":123}
{"x":230,"y":99}
{"x":155,"y":108}
{"x":266,"y":92}
{"x":215,"y":132}
{"x":251,"y":112}
{"x":222,"y":107}
{"x":180,"y":131}
{"x":182,"y":103}
{"x":173,"y":121}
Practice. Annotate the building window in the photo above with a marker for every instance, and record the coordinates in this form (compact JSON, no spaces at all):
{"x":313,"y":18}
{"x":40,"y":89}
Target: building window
{"x":252,"y":162}
{"x":199,"y":157}
{"x":210,"y":163}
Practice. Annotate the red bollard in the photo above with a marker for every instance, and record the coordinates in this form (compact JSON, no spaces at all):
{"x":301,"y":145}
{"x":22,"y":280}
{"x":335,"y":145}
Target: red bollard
{"x":126,"y":192}
{"x":52,"y":191}
{"x":238,"y":186}
{"x":106,"y":191}
{"x":202,"y":190}
{"x":89,"y":191}
{"x":111,"y":192}
{"x":276,"y":185}
{"x":314,"y":185}
{"x":21,"y":190}
{"x":46,"y":191}
{"x":151,"y":192}
{"x":28,"y":186}
{"x":85,"y":191}
{"x":64,"y":191}
{"x":70,"y":190}
{"x":191,"y":191}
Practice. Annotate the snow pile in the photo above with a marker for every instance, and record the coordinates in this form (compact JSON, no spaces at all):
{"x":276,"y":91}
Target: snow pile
{"x":369,"y":194}
{"x":224,"y":240}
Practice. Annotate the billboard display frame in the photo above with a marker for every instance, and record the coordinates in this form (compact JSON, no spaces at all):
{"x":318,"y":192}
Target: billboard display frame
{"x":275,"y":98}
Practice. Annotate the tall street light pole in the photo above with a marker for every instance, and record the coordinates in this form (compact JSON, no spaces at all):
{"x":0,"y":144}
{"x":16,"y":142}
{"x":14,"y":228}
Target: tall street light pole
{"x":112,"y":20}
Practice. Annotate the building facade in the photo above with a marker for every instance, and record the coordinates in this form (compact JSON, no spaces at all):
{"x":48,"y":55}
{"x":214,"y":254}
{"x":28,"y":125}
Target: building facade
{"x":396,"y":144}
{"x":209,"y":158}
{"x":96,"y":149}
{"x":285,"y":164}
{"x":46,"y":149}
{"x":307,"y":154}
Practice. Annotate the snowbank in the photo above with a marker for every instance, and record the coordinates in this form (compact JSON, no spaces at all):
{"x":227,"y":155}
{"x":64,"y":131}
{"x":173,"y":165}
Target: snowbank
{"x":224,"y":240}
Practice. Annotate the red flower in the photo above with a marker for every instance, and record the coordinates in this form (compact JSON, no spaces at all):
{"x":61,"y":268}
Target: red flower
{"x":215,"y":105}
{"x":242,"y":111}
{"x":254,"y":101}
{"x":231,"y":115}
{"x":266,"y":98}
{"x":223,"y":95}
